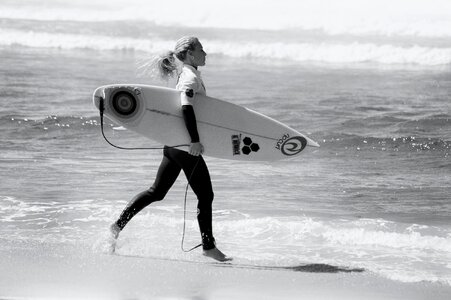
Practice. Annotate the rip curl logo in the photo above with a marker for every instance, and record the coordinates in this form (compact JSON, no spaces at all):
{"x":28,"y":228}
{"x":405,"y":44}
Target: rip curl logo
{"x":281,"y":141}
{"x":294,"y":145}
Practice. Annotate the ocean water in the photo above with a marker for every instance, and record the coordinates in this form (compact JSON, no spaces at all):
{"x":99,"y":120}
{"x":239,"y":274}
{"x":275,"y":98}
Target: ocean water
{"x":370,"y":83}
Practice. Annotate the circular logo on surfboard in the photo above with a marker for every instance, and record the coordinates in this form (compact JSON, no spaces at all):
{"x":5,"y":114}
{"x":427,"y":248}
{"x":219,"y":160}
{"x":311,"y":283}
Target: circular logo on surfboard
{"x":124,"y":103}
{"x":293,"y":146}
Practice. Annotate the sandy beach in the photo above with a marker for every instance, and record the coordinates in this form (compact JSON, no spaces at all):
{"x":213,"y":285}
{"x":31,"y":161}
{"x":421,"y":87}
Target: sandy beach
{"x":52,"y":271}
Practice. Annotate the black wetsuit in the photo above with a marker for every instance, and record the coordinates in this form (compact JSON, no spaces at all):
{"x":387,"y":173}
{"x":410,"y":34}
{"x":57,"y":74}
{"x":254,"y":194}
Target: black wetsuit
{"x":196,"y":172}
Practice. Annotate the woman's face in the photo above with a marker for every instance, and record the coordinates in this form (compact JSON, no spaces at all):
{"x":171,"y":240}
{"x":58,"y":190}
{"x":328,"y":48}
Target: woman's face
{"x":197,"y":56}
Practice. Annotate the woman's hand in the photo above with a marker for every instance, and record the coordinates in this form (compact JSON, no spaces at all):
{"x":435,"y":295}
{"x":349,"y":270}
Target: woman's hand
{"x":196,"y":149}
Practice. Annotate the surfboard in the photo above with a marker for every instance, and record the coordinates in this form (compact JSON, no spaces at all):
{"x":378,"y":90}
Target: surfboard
{"x":226,"y":130}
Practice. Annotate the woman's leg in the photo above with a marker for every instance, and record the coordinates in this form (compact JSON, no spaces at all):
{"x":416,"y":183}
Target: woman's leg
{"x":200,"y":182}
{"x":199,"y":179}
{"x":197,"y":173}
{"x":166,"y":176}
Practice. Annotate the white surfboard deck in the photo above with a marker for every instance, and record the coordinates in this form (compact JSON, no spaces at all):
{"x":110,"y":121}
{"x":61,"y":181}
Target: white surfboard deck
{"x":226,"y":130}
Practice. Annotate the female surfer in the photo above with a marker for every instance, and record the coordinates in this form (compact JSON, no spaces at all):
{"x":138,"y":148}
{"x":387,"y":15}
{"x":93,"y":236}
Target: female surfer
{"x":190,"y":52}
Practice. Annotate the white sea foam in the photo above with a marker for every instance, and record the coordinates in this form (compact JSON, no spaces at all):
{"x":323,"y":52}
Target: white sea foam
{"x":412,"y":32}
{"x":297,"y":52}
{"x":364,"y":233}
{"x":74,"y":41}
{"x":394,"y":250}
{"x":336,"y":52}
{"x":407,"y":253}
{"x":375,"y":244}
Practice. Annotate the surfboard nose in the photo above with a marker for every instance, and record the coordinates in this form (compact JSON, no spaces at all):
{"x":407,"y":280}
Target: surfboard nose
{"x":312,"y":143}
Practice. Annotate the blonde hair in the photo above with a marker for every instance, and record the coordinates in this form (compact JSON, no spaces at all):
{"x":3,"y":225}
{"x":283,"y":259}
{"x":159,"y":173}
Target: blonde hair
{"x":165,"y":64}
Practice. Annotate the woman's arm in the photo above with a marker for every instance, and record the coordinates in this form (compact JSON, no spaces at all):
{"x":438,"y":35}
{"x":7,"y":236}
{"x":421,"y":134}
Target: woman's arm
{"x":196,"y":148}
{"x":190,"y":122}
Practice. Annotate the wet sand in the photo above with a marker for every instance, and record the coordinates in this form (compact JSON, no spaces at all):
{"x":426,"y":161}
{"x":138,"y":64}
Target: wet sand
{"x":54,"y":271}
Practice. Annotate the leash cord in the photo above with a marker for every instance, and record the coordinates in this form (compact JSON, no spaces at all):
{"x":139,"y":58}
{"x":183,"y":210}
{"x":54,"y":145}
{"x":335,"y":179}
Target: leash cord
{"x":102,"y":109}
{"x":184,"y":210}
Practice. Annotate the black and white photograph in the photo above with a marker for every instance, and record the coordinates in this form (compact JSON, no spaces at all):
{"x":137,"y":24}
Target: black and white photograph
{"x":225,"y":150}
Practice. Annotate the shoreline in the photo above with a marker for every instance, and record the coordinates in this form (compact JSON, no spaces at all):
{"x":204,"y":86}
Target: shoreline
{"x":62,"y":271}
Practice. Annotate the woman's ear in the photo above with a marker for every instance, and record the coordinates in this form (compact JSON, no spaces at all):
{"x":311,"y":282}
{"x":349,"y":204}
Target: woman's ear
{"x":190,"y":55}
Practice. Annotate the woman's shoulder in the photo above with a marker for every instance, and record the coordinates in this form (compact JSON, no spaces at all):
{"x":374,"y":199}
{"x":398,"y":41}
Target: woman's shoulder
{"x":189,"y":72}
{"x":188,"y":78}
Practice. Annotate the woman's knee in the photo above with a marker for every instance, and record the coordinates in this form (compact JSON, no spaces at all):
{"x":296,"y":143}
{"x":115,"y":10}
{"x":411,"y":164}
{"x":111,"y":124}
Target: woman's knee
{"x":156,"y":194}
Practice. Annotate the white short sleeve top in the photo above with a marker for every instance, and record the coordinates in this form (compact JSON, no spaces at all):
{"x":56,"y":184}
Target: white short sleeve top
{"x":190,"y":82}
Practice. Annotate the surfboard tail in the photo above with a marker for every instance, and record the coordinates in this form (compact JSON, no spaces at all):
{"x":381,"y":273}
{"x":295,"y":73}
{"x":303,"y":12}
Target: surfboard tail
{"x":98,"y":93}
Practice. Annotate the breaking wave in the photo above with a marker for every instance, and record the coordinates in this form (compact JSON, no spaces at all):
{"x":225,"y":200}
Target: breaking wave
{"x":323,"y":52}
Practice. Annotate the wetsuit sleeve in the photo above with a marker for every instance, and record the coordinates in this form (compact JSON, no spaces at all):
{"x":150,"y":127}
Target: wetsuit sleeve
{"x":190,"y":122}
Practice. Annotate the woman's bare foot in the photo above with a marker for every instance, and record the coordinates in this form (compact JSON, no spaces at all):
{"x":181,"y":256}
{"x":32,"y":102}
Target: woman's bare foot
{"x":216,"y":254}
